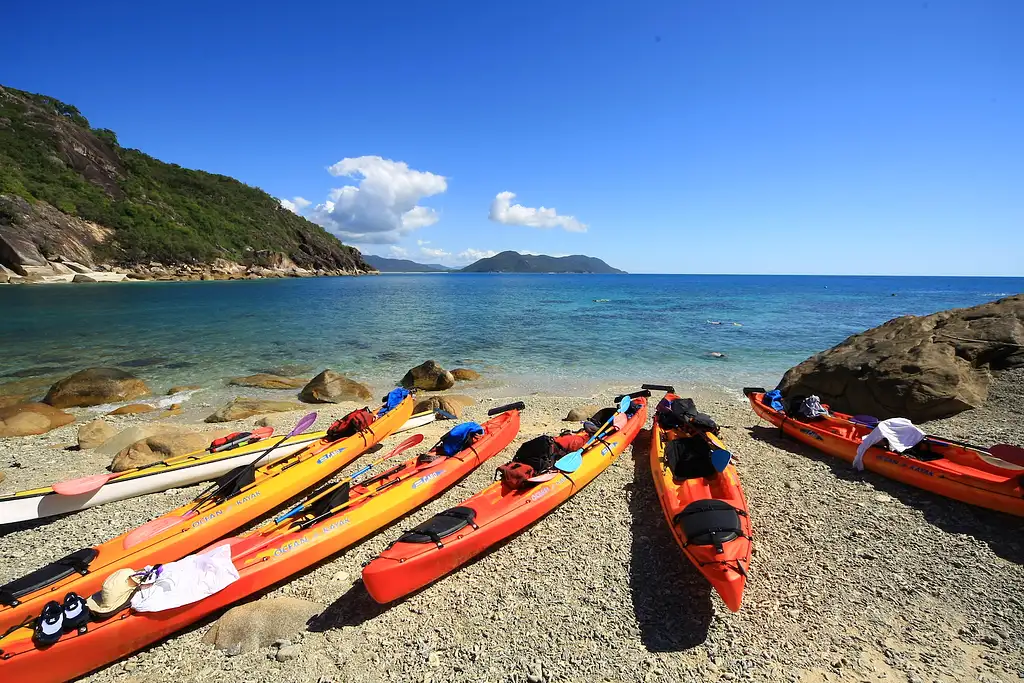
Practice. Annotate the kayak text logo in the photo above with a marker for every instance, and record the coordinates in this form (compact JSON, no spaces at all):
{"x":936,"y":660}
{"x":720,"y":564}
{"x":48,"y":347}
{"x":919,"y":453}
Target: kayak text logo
{"x":333,"y":526}
{"x":327,"y":456}
{"x":423,"y":480}
{"x":290,"y":546}
{"x":540,"y":494}
{"x":251,"y":496}
{"x":203,"y":520}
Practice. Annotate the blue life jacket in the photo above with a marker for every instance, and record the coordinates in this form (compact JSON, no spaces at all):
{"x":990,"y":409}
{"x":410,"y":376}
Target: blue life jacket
{"x":394,"y":397}
{"x":773,"y":399}
{"x":460,"y":435}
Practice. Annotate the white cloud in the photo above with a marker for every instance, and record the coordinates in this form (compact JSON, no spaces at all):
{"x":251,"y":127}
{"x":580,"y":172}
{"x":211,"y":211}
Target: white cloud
{"x":470,"y":255}
{"x":504,"y":211}
{"x":295,"y":204}
{"x":434,"y":253}
{"x":398,"y":252}
{"x":422,"y":242}
{"x":384,"y":206}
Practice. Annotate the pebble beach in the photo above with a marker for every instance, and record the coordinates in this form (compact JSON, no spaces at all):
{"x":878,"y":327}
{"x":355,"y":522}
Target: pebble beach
{"x":854,"y":577}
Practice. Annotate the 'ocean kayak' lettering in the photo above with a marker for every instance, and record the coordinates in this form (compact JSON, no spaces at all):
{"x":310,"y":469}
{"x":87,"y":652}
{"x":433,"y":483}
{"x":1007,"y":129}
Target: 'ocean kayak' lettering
{"x":203,"y":520}
{"x":334,"y":525}
{"x":251,"y":496}
{"x":290,"y":546}
{"x":423,"y":480}
{"x":327,"y":456}
{"x":540,"y":494}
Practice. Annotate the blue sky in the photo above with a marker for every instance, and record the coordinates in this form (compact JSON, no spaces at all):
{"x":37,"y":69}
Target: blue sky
{"x":870,"y":137}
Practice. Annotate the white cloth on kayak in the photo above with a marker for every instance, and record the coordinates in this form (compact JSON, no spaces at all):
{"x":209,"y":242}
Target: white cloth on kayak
{"x":811,"y":408}
{"x":188,"y":580}
{"x":900,"y":432}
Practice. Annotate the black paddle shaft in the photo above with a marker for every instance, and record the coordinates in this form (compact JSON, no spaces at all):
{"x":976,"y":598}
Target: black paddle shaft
{"x":659,"y":387}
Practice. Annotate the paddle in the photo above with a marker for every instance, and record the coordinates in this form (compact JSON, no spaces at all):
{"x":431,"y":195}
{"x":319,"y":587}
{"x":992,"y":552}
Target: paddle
{"x":1011,"y":454}
{"x":413,"y":440}
{"x":667,"y":388}
{"x":161,"y":524}
{"x":94,"y":482}
{"x":572,"y":461}
{"x":541,"y":478}
{"x":720,"y":459}
{"x":305,"y":423}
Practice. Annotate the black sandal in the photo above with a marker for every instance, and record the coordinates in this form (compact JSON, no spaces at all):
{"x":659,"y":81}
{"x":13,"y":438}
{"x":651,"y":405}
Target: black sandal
{"x":50,"y":624}
{"x":76,"y":613}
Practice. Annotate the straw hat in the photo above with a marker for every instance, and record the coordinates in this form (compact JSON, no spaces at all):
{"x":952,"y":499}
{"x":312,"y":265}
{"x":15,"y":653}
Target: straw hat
{"x":115,"y":595}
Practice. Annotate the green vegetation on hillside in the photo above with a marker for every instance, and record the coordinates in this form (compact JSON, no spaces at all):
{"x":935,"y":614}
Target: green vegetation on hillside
{"x":160,"y":211}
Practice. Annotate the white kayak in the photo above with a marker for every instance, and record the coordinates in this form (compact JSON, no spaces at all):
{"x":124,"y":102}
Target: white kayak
{"x":183,"y":470}
{"x":417,"y":420}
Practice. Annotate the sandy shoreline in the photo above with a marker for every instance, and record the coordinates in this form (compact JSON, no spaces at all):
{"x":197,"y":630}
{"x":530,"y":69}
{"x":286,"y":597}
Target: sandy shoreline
{"x":854,"y":577}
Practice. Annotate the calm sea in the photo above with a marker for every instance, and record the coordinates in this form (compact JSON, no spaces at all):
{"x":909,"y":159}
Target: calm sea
{"x":541,"y":331}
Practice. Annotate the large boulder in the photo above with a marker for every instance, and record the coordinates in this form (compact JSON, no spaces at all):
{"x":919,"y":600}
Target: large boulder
{"x":25,"y":419}
{"x":918,"y":367}
{"x":162,"y":446}
{"x":332,"y":387}
{"x":260,"y":623}
{"x":264,"y":380}
{"x":95,"y":386}
{"x":241,"y":408}
{"x":95,"y":433}
{"x":451,"y":403}
{"x":581,"y":413}
{"x":127,"y":437}
{"x":429,"y":376}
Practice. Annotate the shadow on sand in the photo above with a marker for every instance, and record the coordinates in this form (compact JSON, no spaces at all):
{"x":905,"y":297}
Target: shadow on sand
{"x":671,"y":600}
{"x":1003,"y":533}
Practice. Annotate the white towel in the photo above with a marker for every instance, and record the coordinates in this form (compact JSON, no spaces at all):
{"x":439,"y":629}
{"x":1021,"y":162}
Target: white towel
{"x":188,"y":580}
{"x":900,"y":432}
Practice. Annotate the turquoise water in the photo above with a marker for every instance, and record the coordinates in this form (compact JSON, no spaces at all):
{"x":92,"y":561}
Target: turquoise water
{"x":538,"y":330}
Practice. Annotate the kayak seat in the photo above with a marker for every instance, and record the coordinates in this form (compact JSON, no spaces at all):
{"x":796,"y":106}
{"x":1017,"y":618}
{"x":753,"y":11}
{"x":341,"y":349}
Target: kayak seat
{"x":76,"y":562}
{"x":710,"y":522}
{"x":689,"y":458}
{"x":440,"y":526}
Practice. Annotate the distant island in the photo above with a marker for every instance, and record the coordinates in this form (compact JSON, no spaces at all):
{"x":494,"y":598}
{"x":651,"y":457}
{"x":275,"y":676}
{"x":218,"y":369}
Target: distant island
{"x":76,"y":204}
{"x":514,"y":262}
{"x":401,"y":265}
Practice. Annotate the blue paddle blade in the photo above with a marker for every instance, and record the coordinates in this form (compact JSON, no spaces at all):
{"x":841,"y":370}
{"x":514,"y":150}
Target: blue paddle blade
{"x":445,"y":414}
{"x":569,"y":462}
{"x":624,"y":404}
{"x":720,"y":459}
{"x":866,"y":420}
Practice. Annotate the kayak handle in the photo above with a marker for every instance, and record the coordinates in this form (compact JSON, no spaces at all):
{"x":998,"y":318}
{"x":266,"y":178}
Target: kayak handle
{"x":659,"y":387}
{"x":635,"y":394}
{"x":518,"y":405}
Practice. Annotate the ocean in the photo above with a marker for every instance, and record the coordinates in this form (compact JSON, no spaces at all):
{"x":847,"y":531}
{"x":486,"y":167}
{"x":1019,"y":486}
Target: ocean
{"x":539,"y":332}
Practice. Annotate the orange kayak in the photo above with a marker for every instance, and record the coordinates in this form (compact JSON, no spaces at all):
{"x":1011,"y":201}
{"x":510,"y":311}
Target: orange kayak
{"x":966,"y":473}
{"x":707,"y":513}
{"x":194,"y":524}
{"x":455,"y":536}
{"x":328,"y":522}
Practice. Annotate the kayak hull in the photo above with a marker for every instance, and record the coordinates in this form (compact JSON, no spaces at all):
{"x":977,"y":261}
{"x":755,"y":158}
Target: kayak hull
{"x":372,"y":504}
{"x":726,"y":571}
{"x":967,"y":474}
{"x":273,"y":485}
{"x":500,"y":512}
{"x":44,"y":502}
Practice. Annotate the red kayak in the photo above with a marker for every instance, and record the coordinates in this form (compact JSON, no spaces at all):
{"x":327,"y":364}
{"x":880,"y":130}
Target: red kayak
{"x":704,"y":507}
{"x":455,"y":536}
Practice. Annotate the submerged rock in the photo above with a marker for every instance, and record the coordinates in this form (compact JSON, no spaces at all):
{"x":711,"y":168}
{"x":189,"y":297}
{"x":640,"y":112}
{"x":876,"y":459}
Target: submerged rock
{"x":242,"y":407}
{"x":95,"y":386}
{"x":132,"y":409}
{"x":465,"y":375}
{"x":263,"y":380}
{"x":332,"y":387}
{"x":260,"y":623}
{"x":918,"y":367}
{"x":429,"y":376}
{"x":178,"y":388}
{"x":25,"y":419}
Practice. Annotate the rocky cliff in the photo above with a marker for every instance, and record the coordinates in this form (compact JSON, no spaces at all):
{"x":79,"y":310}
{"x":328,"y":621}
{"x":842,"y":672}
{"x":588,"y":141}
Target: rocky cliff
{"x":70,"y":196}
{"x":919,"y":367}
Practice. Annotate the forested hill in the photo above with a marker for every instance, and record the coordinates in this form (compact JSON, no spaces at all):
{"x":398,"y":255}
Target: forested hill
{"x":153,"y":211}
{"x":514,"y":262}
